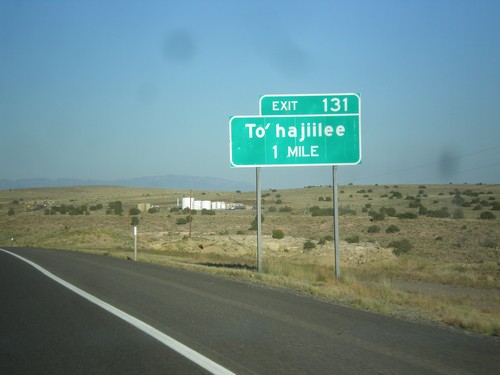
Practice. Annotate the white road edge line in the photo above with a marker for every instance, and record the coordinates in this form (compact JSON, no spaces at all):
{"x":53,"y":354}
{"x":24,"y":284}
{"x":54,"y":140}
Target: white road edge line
{"x":173,"y":344}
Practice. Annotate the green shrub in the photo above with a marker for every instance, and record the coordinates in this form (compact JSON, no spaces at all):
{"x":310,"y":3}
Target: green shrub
{"x":154,"y":210}
{"x":392,"y":229}
{"x":458,"y":214}
{"x":389,"y":211}
{"x":373,"y":229}
{"x":254,"y":224}
{"x":377,"y":216}
{"x":442,"y":213}
{"x":495,"y":206}
{"x":134,"y":211}
{"x":286,"y":209}
{"x":487,"y":215}
{"x":396,"y":194}
{"x":317,"y":211}
{"x":183,"y":220}
{"x":11,"y":212}
{"x":116,"y":207}
{"x":352,"y":239}
{"x":207,"y":212}
{"x":401,"y":247}
{"x":81,"y":210}
{"x":470,"y":193}
{"x":458,"y":200}
{"x":309,"y":245}
{"x":272,"y":209}
{"x":278,"y":234}
{"x":346,"y":211}
{"x":407,"y":215}
{"x":423,"y":210}
{"x":489,"y":243}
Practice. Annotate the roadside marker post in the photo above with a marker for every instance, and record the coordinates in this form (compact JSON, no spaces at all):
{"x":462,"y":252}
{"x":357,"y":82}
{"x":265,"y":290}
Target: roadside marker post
{"x":135,"y":243}
{"x":298,"y":130}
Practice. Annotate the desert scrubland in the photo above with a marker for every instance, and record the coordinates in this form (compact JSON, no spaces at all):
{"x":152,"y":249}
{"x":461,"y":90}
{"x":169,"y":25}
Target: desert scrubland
{"x":427,"y":252}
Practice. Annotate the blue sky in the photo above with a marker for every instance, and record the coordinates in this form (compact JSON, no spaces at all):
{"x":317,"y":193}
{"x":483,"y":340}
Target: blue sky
{"x":119,"y":89}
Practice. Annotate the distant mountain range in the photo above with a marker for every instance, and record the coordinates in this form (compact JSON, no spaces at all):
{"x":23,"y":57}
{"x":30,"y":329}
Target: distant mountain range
{"x":163,"y":182}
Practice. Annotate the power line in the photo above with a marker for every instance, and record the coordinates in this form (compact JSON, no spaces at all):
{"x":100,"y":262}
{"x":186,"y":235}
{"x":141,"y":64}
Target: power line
{"x":461,"y":172}
{"x":434,"y":163}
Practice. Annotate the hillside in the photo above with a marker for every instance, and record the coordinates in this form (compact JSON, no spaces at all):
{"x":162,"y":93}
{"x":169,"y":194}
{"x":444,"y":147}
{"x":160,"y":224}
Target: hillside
{"x":162,"y":182}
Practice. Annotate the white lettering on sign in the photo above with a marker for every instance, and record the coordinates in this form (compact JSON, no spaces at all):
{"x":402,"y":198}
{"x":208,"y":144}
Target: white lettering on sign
{"x":309,"y":130}
{"x":335,"y":107}
{"x":287,"y":105}
{"x":259,"y":132}
{"x":301,"y":151}
{"x":302,"y":132}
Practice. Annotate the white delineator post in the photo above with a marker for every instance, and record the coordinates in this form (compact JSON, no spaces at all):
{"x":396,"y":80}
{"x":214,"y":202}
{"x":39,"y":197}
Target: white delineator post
{"x":135,"y":243}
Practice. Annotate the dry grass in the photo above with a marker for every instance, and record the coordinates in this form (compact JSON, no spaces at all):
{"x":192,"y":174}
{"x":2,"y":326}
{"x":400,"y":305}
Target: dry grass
{"x":451,"y":274}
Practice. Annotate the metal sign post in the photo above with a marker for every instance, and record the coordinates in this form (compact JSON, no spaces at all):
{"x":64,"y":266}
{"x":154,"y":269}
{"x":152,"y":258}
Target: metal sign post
{"x":135,"y":243}
{"x":259,"y":219}
{"x":298,"y":130}
{"x":336,"y":236}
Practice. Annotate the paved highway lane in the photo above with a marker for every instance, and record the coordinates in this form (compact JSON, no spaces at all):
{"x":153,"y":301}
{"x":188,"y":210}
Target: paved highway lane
{"x":47,"y":329}
{"x":250,"y":329}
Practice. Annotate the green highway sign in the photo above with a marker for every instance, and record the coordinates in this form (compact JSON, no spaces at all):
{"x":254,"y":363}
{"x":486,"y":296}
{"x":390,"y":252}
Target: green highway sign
{"x":301,"y":140}
{"x":310,"y":104}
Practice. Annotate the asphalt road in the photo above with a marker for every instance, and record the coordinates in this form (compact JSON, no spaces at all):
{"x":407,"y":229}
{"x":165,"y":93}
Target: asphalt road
{"x":248,"y":329}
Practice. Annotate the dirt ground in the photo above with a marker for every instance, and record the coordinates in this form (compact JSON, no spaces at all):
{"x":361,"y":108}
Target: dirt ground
{"x":290,"y":248}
